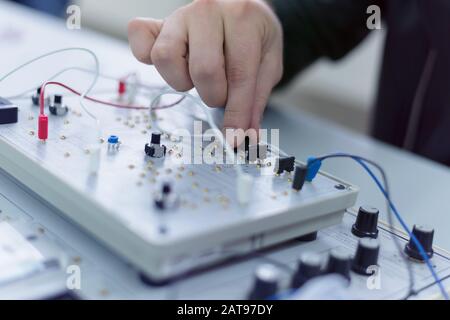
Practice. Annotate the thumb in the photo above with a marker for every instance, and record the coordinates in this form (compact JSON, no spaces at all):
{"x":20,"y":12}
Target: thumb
{"x":142,"y":34}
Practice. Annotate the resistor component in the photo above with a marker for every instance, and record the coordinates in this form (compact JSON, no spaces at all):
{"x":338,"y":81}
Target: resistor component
{"x":56,"y":107}
{"x":154,"y":149}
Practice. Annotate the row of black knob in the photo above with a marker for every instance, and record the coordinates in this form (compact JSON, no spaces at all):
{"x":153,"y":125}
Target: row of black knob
{"x":339,"y":261}
{"x":310,"y":265}
{"x":366,"y":225}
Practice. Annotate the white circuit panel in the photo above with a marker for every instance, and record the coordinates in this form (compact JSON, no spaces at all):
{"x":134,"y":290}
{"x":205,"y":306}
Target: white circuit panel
{"x":127,"y":181}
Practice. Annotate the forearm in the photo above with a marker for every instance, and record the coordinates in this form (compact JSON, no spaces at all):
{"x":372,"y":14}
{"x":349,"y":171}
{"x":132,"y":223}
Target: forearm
{"x":315,"y":28}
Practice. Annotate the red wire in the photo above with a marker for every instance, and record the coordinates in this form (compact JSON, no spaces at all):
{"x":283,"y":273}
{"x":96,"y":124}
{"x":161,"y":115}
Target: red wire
{"x":111,"y":104}
{"x":43,"y":119}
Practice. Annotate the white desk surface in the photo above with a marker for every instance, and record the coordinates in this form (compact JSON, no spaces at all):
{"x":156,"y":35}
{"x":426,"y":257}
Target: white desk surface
{"x":420,"y":188}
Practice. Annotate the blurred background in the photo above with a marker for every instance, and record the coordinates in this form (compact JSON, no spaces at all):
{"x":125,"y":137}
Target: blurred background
{"x":342,"y":92}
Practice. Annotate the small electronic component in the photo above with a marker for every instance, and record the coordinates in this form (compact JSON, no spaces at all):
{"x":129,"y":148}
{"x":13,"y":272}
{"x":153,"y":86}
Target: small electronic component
{"x":166,"y":199}
{"x":35,"y":98}
{"x":8,"y":112}
{"x":155,"y":149}
{"x":122,"y":88}
{"x":113,"y":143}
{"x":244,"y":188}
{"x":256,"y":152}
{"x":94,"y":159}
{"x":299,"y":177}
{"x":56,"y":107}
{"x":284,"y":164}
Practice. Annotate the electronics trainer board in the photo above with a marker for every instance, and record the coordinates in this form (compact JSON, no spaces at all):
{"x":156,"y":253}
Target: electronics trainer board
{"x":205,"y":224}
{"x":106,"y":276}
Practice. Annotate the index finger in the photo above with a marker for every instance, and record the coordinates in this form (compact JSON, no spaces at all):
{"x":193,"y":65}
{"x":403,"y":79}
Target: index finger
{"x":242,"y":56}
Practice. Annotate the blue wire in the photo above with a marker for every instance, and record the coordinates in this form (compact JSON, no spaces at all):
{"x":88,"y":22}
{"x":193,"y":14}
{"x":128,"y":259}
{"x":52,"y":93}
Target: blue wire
{"x":399,"y":218}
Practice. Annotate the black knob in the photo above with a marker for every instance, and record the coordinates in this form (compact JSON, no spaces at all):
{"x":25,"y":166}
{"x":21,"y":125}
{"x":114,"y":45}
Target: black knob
{"x":339,"y":261}
{"x":366,"y":255}
{"x":309,"y":266}
{"x":156,"y":138}
{"x":266,"y":282}
{"x":366,"y":222}
{"x":425,"y":236}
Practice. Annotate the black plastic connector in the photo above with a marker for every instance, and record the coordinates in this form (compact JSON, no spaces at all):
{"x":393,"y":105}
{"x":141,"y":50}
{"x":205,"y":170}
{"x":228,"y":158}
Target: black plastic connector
{"x":8,"y":112}
{"x":299,"y":177}
{"x":285,"y":164}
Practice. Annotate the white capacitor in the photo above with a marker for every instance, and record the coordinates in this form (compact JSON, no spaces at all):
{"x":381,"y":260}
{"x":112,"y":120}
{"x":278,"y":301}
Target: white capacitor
{"x":94,"y":159}
{"x":244,"y":188}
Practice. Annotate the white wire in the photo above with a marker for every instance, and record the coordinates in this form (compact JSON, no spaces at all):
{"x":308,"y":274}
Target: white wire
{"x":101,"y":75}
{"x":209,"y":119}
{"x":83,"y":95}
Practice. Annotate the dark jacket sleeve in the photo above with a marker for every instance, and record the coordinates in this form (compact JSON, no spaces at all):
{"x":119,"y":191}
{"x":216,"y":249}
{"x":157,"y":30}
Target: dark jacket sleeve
{"x":320,"y":28}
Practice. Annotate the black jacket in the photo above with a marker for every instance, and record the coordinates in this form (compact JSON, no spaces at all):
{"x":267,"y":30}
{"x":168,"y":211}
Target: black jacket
{"x":413,"y":105}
